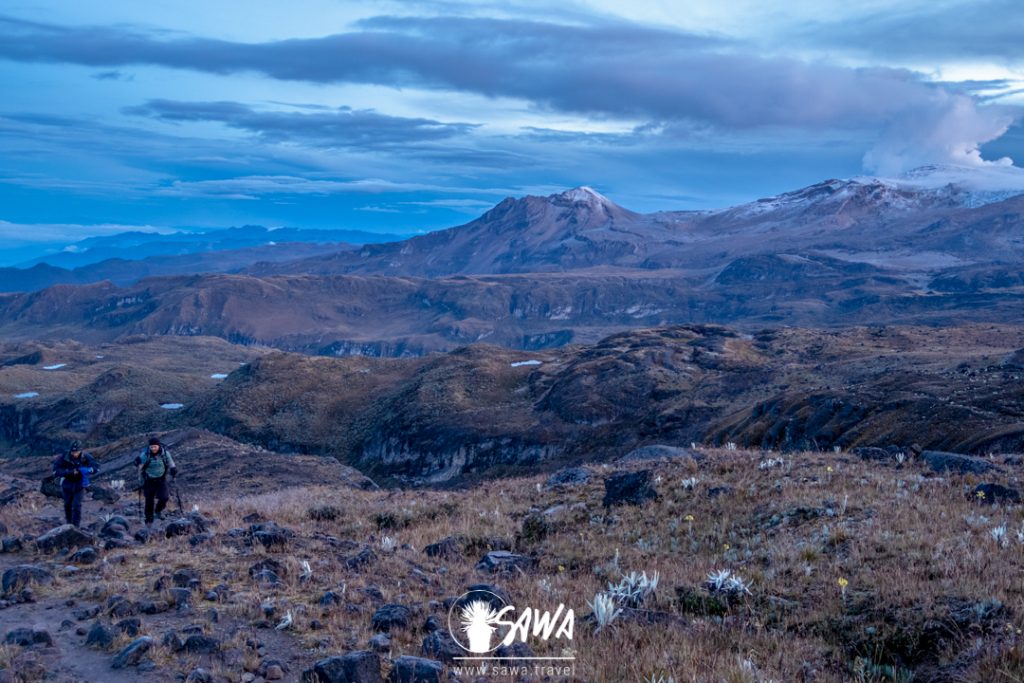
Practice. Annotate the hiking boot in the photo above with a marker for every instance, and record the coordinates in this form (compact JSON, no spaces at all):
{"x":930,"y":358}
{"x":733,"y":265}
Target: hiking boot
{"x":159,"y":516}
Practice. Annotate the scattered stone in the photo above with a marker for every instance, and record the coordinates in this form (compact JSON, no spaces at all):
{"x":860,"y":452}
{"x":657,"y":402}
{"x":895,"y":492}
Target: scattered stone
{"x":130,"y":627}
{"x":266,"y":577}
{"x":104,"y":493}
{"x":272,"y":669}
{"x":201,"y":645}
{"x":391,"y":616}
{"x":355,"y":667}
{"x":116,"y":524}
{"x":198,"y":539}
{"x":632,"y":488}
{"x":270,"y":534}
{"x":153,"y":606}
{"x":441,"y":646}
{"x":452,"y":546}
{"x":408,"y":669}
{"x":86,"y":555}
{"x":270,"y":563}
{"x":199,"y":675}
{"x":133,"y":653}
{"x":872,"y":453}
{"x":995,"y":493}
{"x":64,"y":536}
{"x":361,"y":559}
{"x":179,"y":527}
{"x":118,"y":606}
{"x":373,"y":593}
{"x":27,"y":637}
{"x":182,"y":597}
{"x":941,"y":462}
{"x":517,"y":650}
{"x":505,"y":562}
{"x":143,"y":535}
{"x":567,"y":478}
{"x":11,"y":544}
{"x":380,"y":643}
{"x":100,"y":637}
{"x":85,"y":613}
{"x":187,"y":577}
{"x":431,"y":624}
{"x":329,"y":598}
{"x":660,"y":452}
{"x":23,"y":575}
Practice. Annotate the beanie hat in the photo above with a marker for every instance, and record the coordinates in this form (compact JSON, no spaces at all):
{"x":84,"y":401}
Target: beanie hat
{"x":154,"y":441}
{"x":75,"y":446}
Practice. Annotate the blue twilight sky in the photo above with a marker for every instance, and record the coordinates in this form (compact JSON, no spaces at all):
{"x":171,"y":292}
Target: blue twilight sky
{"x":408,"y":116}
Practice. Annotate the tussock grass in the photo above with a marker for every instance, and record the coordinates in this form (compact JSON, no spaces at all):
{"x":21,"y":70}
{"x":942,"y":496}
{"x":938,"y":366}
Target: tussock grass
{"x":914,"y":549}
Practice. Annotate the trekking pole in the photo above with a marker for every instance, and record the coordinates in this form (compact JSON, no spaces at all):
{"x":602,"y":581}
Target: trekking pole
{"x":177,"y":495}
{"x":139,"y":507}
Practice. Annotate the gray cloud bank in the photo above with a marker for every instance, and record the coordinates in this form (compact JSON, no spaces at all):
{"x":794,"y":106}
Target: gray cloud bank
{"x":603,"y":69}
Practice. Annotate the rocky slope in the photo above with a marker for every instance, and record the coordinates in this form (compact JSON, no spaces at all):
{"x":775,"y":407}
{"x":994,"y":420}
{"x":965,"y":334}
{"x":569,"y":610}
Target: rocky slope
{"x":720,"y":565}
{"x":484,"y":410}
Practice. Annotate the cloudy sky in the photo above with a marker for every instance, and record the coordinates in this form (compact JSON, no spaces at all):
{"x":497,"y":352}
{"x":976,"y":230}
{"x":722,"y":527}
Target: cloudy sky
{"x":409,"y":116}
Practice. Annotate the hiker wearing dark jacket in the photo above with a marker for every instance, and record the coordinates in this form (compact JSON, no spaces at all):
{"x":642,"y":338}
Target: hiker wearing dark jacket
{"x":154,"y":464}
{"x":74,"y":468}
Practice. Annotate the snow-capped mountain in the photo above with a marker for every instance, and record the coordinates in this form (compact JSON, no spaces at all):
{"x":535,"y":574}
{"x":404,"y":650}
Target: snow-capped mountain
{"x":968,"y":186}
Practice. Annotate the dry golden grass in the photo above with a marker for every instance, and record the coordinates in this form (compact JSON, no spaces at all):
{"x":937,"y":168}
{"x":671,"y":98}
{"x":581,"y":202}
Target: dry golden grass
{"x":913,"y":549}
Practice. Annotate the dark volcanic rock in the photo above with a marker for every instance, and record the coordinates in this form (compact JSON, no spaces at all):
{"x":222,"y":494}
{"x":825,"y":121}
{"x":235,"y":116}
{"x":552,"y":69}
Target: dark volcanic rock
{"x":355,"y":667}
{"x":941,"y":461}
{"x":872,"y":453}
{"x":104,"y":494}
{"x":266,"y":577}
{"x":86,"y":555}
{"x":11,"y":544}
{"x":100,"y":637}
{"x":24,"y":575}
{"x":361,"y":559}
{"x":391,"y":616}
{"x":409,"y":669}
{"x":130,"y":627}
{"x":660,"y":452}
{"x":27,"y":637}
{"x":198,"y":644}
{"x":270,"y":534}
{"x":133,"y":653}
{"x":441,"y":646}
{"x":505,"y":562}
{"x":632,"y":488}
{"x":187,"y":577}
{"x":995,"y":493}
{"x":449,"y":547}
{"x":179,"y":527}
{"x":64,"y":536}
{"x":567,"y":478}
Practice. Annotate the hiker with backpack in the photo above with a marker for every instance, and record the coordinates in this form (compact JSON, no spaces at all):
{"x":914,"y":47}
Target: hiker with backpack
{"x":74,"y":469}
{"x":154,"y":464}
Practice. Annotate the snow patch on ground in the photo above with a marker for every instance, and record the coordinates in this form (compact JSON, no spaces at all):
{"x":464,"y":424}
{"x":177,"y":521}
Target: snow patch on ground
{"x":58,"y":366}
{"x":172,"y":406}
{"x":218,"y":375}
{"x":27,"y":394}
{"x":521,"y":363}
